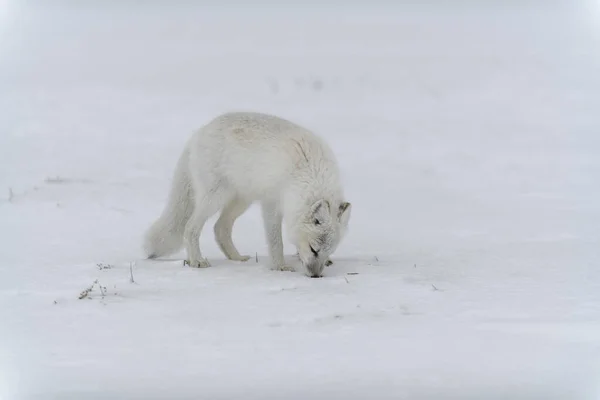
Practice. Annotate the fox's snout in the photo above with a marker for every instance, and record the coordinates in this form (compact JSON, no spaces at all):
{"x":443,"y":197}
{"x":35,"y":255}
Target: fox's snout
{"x":314,"y":268}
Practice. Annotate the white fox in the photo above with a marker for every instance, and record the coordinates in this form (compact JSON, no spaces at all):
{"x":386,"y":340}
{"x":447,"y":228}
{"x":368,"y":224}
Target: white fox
{"x":242,"y":157}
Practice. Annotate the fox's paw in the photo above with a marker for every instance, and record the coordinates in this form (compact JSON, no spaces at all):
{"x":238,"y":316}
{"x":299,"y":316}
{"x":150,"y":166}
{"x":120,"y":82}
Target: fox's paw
{"x":284,"y":268}
{"x":203,"y":263}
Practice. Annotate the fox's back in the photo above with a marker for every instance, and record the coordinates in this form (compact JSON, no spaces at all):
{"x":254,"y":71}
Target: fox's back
{"x":258,"y":153}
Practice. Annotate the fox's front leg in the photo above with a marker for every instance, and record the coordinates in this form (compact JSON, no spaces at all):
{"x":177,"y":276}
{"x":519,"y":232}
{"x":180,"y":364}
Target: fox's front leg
{"x":272,"y":221}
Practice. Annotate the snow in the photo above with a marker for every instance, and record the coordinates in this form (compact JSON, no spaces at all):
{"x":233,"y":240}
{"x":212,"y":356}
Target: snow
{"x":467,"y":135}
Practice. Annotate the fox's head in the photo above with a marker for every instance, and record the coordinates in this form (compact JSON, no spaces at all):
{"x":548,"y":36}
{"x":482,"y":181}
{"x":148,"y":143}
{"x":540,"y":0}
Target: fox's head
{"x":319,"y":232}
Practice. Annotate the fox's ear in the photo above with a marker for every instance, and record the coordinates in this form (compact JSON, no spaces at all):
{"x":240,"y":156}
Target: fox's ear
{"x":344,"y":212}
{"x":320,"y":211}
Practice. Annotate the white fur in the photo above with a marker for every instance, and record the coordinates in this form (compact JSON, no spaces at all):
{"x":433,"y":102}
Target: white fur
{"x":239,"y":158}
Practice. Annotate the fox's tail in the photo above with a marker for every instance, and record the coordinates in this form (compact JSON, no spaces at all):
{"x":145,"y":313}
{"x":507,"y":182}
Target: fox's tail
{"x":165,"y":236}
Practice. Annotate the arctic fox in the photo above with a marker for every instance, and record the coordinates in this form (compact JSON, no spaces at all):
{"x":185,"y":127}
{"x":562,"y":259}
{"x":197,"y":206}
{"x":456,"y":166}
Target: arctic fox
{"x":242,"y":157}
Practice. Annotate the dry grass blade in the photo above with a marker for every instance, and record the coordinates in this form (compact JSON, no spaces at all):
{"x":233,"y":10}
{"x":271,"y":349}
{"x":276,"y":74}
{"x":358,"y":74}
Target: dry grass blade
{"x":131,"y":280}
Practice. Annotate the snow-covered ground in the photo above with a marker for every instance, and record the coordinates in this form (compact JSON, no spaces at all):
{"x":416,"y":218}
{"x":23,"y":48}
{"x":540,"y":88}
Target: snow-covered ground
{"x":469,"y":140}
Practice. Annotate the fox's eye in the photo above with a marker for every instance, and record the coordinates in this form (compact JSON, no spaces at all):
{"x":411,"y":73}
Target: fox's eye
{"x":317,"y":222}
{"x":315,"y":253}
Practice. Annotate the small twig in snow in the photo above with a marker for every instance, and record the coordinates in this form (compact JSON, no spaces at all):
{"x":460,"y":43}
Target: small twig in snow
{"x":59,"y":180}
{"x":257,"y":257}
{"x":101,"y":288}
{"x":347,"y":281}
{"x":434,"y":288}
{"x":86,"y":292}
{"x":131,"y":280}
{"x":376,"y":259}
{"x":54,"y":179}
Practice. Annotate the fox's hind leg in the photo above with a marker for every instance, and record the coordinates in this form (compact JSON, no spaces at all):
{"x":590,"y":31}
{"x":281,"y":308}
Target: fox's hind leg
{"x":208,"y":200}
{"x":224,"y":227}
